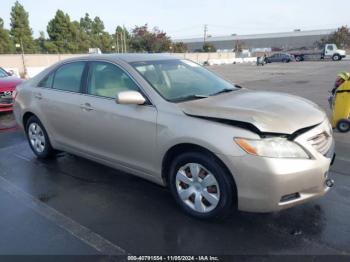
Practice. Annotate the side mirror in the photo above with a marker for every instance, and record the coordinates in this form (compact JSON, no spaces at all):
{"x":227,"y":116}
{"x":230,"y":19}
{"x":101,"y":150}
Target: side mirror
{"x":130,"y":98}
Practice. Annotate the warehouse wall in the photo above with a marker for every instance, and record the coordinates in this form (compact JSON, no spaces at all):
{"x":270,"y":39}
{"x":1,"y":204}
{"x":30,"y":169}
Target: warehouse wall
{"x":281,"y":42}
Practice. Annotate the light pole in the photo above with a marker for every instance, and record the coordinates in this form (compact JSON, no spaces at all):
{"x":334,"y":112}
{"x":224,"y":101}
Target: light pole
{"x":124,"y":29}
{"x":22,"y":55}
{"x":205,"y":33}
{"x":117,"y":36}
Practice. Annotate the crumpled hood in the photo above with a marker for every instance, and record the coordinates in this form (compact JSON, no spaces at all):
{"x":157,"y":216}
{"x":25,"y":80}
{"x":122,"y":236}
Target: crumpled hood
{"x":269,"y":112}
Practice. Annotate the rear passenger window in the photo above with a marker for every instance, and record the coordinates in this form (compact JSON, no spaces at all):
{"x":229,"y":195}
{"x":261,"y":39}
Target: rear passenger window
{"x":68,"y":77}
{"x":46,"y":81}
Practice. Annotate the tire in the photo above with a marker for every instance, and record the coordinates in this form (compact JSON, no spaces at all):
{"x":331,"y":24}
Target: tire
{"x":211,"y":176}
{"x":343,"y":125}
{"x":336,"y":57}
{"x":38,"y":139}
{"x":298,"y":59}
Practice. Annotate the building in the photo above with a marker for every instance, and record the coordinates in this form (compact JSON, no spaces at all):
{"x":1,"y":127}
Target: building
{"x":284,"y":41}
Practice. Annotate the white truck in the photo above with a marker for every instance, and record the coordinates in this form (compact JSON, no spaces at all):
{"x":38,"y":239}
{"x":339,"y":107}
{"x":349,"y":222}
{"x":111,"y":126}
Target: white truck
{"x":330,"y":51}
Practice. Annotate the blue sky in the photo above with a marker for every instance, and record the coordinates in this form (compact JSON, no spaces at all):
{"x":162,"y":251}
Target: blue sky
{"x":185,"y":18}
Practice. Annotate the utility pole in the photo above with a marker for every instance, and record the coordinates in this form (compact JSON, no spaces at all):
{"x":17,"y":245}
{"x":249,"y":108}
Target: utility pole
{"x":24,"y":64}
{"x":121,"y":42}
{"x":117,"y":36}
{"x":205,"y":33}
{"x":124,"y":39}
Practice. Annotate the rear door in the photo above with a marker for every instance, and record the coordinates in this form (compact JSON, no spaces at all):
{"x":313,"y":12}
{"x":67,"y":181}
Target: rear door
{"x":59,"y":99}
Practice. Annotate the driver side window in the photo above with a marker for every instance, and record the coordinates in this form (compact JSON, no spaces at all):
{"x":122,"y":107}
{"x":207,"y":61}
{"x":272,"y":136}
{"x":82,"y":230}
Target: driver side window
{"x":107,"y":80}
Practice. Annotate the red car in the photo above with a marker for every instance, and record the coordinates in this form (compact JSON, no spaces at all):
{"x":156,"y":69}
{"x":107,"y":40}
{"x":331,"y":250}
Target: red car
{"x":8,"y":85}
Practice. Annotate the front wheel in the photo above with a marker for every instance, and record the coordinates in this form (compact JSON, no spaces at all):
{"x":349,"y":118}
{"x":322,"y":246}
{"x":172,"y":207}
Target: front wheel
{"x":298,"y":58}
{"x":38,"y":139}
{"x":201,"y":186}
{"x":336,"y":57}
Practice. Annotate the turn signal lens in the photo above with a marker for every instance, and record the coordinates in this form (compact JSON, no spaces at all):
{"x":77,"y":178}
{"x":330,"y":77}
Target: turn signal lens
{"x":246,"y":146}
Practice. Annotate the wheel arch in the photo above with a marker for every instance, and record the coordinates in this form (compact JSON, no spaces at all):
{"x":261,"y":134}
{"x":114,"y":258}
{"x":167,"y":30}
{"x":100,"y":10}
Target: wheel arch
{"x":189,"y":147}
{"x":25,"y":118}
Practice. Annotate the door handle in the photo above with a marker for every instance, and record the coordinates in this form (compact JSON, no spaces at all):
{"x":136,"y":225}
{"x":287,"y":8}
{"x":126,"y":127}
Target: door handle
{"x":86,"y":107}
{"x":38,"y":96}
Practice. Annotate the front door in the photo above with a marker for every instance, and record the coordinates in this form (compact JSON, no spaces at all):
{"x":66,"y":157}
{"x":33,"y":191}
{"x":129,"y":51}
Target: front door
{"x":329,"y":50}
{"x":124,"y":134}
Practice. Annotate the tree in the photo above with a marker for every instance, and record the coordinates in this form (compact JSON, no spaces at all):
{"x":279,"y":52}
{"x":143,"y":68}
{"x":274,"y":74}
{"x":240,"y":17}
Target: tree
{"x":20,"y":29}
{"x":63,"y":33}
{"x":93,"y":34}
{"x":102,"y":39}
{"x":209,"y":47}
{"x":105,"y":42}
{"x":86,"y":24}
{"x":6,"y":45}
{"x":155,"y":41}
{"x":82,"y":37}
{"x":46,"y":45}
{"x":341,"y":38}
{"x":179,"y":47}
{"x":97,"y":26}
{"x":41,"y":42}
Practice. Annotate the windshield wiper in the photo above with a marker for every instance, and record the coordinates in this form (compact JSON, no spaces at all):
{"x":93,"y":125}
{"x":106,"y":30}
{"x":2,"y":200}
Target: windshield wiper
{"x":225,"y":90}
{"x":188,"y":97}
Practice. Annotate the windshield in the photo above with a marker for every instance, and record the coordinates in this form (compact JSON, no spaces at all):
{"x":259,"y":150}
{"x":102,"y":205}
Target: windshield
{"x":182,"y":80}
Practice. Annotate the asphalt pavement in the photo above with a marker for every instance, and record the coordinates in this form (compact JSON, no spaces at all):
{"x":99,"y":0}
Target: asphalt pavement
{"x":72,"y":206}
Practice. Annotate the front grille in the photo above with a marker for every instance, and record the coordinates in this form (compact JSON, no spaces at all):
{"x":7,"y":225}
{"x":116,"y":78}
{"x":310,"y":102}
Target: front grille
{"x":321,"y":142}
{"x":6,"y":97}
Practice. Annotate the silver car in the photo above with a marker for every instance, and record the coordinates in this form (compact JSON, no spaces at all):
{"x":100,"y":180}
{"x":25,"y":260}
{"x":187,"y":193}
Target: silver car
{"x":214,"y":144}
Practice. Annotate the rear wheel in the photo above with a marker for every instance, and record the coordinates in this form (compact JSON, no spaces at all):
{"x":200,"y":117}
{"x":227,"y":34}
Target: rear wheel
{"x":343,"y":125}
{"x":38,"y":139}
{"x":201,"y":186}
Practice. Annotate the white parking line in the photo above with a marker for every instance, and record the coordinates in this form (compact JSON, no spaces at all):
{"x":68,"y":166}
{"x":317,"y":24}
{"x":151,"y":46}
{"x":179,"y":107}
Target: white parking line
{"x":84,"y":234}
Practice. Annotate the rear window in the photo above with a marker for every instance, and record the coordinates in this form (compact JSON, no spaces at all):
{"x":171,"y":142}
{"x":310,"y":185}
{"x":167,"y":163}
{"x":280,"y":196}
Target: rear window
{"x":68,"y":77}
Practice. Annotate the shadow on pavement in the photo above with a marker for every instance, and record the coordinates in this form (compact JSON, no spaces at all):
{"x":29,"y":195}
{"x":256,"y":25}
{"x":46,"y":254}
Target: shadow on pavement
{"x":7,"y":121}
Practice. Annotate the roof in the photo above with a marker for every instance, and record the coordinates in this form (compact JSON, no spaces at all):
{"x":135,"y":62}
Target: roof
{"x":259,"y":36}
{"x":129,"y":58}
